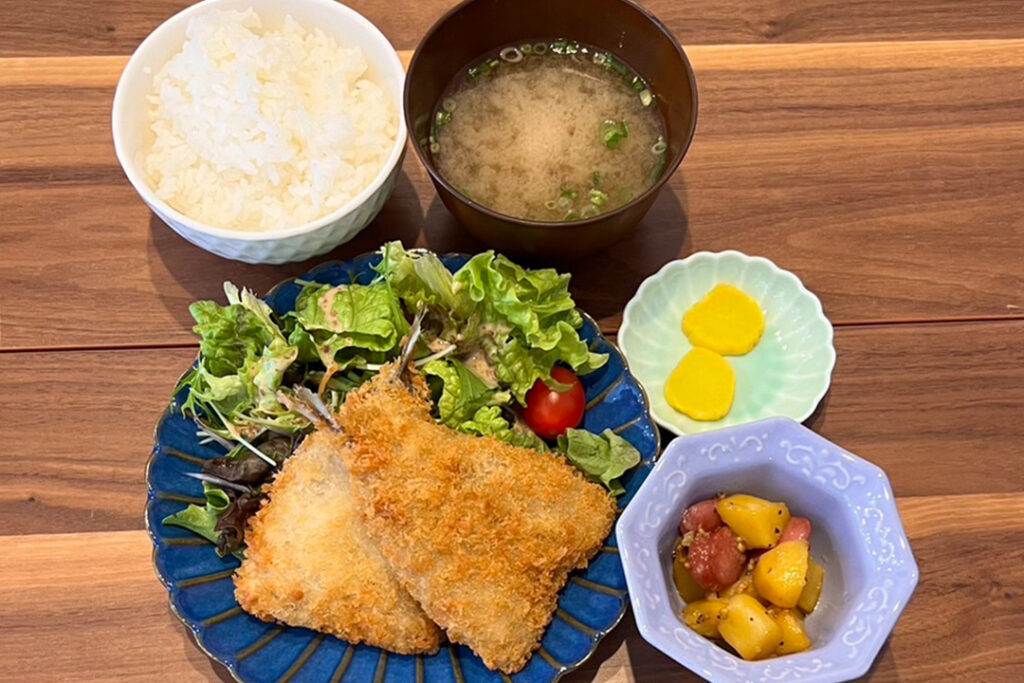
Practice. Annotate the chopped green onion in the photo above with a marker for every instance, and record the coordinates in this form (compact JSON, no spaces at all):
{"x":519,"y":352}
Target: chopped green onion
{"x":595,"y":179}
{"x":526,"y":48}
{"x":539,"y":48}
{"x":485,"y":68}
{"x":443,"y":117}
{"x":638,"y":83}
{"x":448,"y":105}
{"x":511,"y":54}
{"x":618,"y":67}
{"x":570,"y":215}
{"x":659,"y":147}
{"x":656,"y":172}
{"x":551,"y":205}
{"x":564,"y":202}
{"x":565,"y":47}
{"x":613,"y":133}
{"x":568,"y":192}
{"x":646,"y":97}
{"x":589,"y":211}
{"x":598,"y":198}
{"x":434,"y":148}
{"x":600,"y":58}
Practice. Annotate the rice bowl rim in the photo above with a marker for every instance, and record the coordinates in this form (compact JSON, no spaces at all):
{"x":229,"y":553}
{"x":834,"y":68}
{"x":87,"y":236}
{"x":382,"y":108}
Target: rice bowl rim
{"x":392,"y":66}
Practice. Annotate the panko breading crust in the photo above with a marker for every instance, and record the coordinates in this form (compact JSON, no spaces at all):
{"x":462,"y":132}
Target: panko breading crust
{"x":481,"y":533}
{"x":310,"y":562}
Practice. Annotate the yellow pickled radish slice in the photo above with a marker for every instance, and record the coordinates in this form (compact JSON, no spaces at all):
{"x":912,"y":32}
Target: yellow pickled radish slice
{"x":702,"y":386}
{"x":726,"y":321}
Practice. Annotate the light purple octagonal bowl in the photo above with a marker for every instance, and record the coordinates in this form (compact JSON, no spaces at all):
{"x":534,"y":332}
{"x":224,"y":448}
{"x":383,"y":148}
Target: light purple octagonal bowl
{"x":857,"y":536}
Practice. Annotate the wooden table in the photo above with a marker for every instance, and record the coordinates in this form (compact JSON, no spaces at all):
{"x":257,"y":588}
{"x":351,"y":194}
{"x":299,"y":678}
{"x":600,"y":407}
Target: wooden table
{"x":875,"y":148}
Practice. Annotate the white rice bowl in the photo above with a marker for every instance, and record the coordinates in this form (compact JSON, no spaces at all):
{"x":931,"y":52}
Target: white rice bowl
{"x":259,"y":130}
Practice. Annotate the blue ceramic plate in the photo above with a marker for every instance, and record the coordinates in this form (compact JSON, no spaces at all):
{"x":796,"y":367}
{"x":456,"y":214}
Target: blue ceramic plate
{"x":202,"y":592}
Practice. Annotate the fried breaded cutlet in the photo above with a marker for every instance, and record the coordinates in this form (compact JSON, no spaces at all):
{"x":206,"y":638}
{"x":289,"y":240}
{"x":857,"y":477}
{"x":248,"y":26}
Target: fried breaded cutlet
{"x":481,"y":533}
{"x":310,"y":562}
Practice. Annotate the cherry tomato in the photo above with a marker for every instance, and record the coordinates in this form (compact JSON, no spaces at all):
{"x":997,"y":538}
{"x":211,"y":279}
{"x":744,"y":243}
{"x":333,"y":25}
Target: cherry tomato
{"x":549,"y":412}
{"x":716,"y":561}
{"x":798,"y":529}
{"x":702,"y":515}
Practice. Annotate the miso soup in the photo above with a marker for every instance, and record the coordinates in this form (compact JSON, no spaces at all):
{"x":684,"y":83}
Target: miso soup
{"x":549,"y":131}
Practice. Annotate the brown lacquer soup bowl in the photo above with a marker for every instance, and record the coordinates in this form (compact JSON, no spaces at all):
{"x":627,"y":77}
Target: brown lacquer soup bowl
{"x":620,"y":27}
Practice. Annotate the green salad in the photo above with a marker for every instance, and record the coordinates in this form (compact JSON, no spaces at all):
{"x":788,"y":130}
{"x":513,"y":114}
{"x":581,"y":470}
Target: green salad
{"x":491,"y":333}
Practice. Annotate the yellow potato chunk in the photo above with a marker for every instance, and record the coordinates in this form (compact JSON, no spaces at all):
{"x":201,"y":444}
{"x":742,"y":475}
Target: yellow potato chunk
{"x":758,"y":522}
{"x":794,"y":637}
{"x":749,"y":629}
{"x":812,"y":591}
{"x":726,"y":321}
{"x":689,"y":589}
{"x":781,"y":573}
{"x":703,"y":616}
{"x":702,"y":386}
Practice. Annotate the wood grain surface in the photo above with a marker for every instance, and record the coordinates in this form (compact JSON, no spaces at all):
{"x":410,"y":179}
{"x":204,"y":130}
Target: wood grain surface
{"x":105,"y":27}
{"x":875,"y":148}
{"x":895,"y":392}
{"x":820,"y":186}
{"x":123,"y":629}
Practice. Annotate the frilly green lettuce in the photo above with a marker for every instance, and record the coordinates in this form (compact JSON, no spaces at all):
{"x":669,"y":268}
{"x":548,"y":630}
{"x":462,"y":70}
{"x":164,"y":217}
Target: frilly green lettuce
{"x":356,"y":318}
{"x":243,"y":357}
{"x":524,"y":321}
{"x":462,"y":392}
{"x":202,"y":519}
{"x":603,"y":458}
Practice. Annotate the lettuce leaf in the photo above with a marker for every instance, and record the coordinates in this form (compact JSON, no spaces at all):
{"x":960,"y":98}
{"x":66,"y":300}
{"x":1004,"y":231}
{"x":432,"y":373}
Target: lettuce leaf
{"x":421,"y":278}
{"x":231,"y":334}
{"x":243,"y":358}
{"x":603,"y":458}
{"x":489,"y":421}
{"x":463,"y":393}
{"x":526,"y":299}
{"x":524,"y":321}
{"x":202,"y":520}
{"x":354,"y":318}
{"x":267,"y":372}
{"x":209,"y":520}
{"x":520,"y":365}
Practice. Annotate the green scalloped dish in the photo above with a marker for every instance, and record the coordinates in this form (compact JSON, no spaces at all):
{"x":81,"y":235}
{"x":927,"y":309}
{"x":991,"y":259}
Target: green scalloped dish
{"x":786,"y":375}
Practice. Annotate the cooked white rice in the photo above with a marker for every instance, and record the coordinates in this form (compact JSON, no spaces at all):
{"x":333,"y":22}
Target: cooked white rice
{"x":264,"y":129}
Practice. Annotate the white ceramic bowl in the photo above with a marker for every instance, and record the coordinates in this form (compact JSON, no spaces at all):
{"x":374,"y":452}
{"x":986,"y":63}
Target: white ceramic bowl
{"x":786,"y":374}
{"x":857,"y":536}
{"x":288,"y":243}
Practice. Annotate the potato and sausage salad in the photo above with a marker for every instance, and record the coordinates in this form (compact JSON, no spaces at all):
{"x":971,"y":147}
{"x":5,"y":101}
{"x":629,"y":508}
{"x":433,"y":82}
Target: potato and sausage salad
{"x":743,"y":566}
